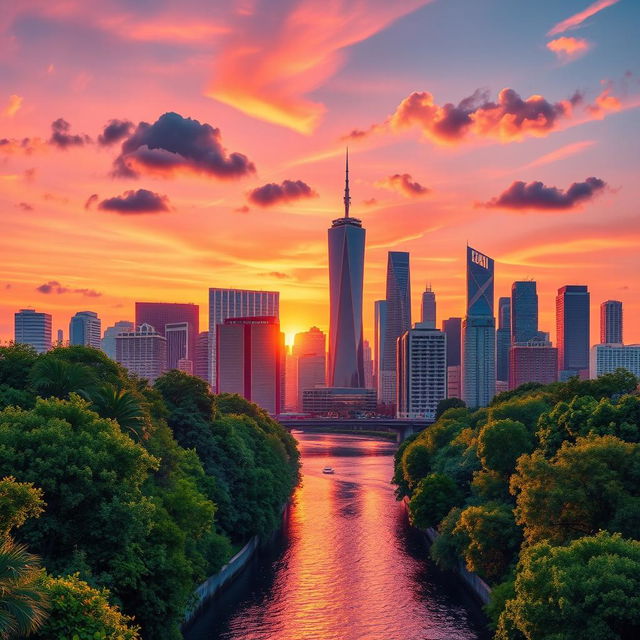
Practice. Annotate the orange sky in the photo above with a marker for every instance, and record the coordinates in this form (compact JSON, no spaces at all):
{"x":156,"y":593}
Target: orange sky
{"x":285,"y":83}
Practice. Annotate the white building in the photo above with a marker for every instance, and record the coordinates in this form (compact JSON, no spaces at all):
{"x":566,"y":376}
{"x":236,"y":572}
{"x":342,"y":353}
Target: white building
{"x":422,"y":372}
{"x":108,"y":342}
{"x":606,"y":358}
{"x":33,"y":328}
{"x":143,"y":352}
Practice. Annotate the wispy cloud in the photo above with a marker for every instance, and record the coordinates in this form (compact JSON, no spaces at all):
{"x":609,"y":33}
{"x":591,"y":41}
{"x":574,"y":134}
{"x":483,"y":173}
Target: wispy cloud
{"x":561,"y":153}
{"x":13,"y":106}
{"x":568,"y":48}
{"x":578,"y":18}
{"x":403,"y":183}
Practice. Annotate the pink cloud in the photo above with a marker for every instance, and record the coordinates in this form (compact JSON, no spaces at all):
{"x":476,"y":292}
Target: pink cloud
{"x":568,"y":48}
{"x":577,"y":19}
{"x":403,"y":183}
{"x":13,"y":106}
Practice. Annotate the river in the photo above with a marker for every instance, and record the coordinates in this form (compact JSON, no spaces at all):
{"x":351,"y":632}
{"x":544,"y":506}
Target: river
{"x":346,"y":565}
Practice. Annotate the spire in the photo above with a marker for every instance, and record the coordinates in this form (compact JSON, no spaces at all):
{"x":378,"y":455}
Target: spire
{"x":347,"y":197}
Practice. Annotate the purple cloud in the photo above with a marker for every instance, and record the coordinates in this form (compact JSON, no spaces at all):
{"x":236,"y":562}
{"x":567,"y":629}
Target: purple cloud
{"x":287,"y":191}
{"x":114,"y":131}
{"x":139,"y":201}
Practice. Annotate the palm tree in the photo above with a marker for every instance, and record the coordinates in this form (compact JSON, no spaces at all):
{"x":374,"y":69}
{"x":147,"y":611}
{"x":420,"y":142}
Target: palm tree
{"x":54,"y":377}
{"x":120,"y":405}
{"x":23,"y":602}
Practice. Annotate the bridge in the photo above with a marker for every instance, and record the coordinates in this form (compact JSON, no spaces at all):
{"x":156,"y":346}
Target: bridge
{"x":402,"y":428}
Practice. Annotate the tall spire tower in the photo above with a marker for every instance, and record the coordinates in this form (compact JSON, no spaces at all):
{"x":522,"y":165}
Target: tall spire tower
{"x":346,"y":274}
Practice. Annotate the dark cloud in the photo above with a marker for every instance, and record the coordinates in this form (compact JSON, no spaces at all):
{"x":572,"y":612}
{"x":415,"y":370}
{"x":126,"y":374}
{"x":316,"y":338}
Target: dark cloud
{"x":288,"y":191}
{"x":24,"y":145}
{"x":404,"y":184}
{"x":25,"y":206}
{"x":139,"y":201}
{"x":535,"y":195}
{"x":90,"y":201}
{"x":53,"y":286}
{"x":174,"y":144}
{"x":62,"y":138}
{"x":114,"y":131}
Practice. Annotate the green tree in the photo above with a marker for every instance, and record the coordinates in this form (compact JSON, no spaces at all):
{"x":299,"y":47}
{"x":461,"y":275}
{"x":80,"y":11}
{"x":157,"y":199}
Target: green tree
{"x":121,"y":405}
{"x":433,"y":498}
{"x":446,"y":550}
{"x":51,"y":376}
{"x":524,"y":409}
{"x":587,"y":590}
{"x":449,"y":403}
{"x":588,"y":486}
{"x":501,"y":443}
{"x":78,"y":610}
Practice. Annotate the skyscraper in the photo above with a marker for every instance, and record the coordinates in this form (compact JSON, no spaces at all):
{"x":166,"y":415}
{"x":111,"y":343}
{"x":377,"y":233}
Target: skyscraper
{"x":422,"y":372}
{"x":108,"y":343}
{"x":611,"y":322}
{"x":452,"y":327}
{"x":33,"y":328}
{"x":143,"y":352}
{"x":367,"y":358}
{"x":249,"y":360}
{"x":346,"y":273}
{"x":606,"y":358}
{"x":84,"y":329}
{"x":428,"y":308}
{"x":479,"y":333}
{"x":380,"y":320}
{"x":524,"y":311}
{"x":236,"y":303}
{"x":533,"y":361}
{"x":503,"y":339}
{"x":177,"y":335}
{"x":309,"y":349}
{"x":398,"y":319}
{"x":572,"y":331}
{"x":201,"y":365}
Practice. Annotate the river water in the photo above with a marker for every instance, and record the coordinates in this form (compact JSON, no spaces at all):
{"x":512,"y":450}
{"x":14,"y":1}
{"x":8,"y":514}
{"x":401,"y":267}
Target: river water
{"x":346,"y":565}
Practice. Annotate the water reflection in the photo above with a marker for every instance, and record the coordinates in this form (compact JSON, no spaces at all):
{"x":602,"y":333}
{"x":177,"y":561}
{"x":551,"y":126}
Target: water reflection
{"x":346,"y":565}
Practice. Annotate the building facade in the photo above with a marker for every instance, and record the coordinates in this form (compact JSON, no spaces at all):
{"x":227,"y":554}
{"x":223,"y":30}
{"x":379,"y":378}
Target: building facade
{"x":338,"y":401}
{"x":524,"y":311}
{"x":309,"y":349}
{"x":606,"y":358}
{"x":532,"y":362}
{"x":143,"y":352}
{"x":422,"y":372}
{"x":380,"y":320}
{"x":85,"y":329}
{"x":479,"y":332}
{"x":201,"y":365}
{"x":611,"y":322}
{"x":503,"y":339}
{"x":178,"y":335}
{"x":33,"y":328}
{"x":572,"y":331}
{"x":108,"y":342}
{"x":453,"y":329}
{"x":428,"y":308}
{"x":236,"y":303}
{"x":250,"y":356}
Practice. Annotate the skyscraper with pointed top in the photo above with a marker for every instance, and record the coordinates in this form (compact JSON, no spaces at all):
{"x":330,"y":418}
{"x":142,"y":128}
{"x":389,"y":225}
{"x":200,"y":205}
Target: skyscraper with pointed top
{"x":346,"y":274}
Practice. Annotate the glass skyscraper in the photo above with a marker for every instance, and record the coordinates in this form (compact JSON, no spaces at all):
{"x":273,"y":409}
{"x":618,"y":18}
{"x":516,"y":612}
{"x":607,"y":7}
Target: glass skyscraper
{"x":524,"y":311}
{"x":503,"y":339}
{"x":479,"y":333}
{"x":85,"y":329}
{"x":380,"y":320}
{"x":33,"y":328}
{"x":428,"y":308}
{"x":611,"y":322}
{"x":346,"y":274}
{"x":572,"y":331}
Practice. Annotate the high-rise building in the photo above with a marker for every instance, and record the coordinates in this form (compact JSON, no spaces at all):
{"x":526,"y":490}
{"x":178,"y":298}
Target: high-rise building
{"x":249,"y":360}
{"x":346,"y":273}
{"x":177,"y":335}
{"x":367,"y":358}
{"x":611,"y":322}
{"x":380,"y":320}
{"x":572,"y":331}
{"x":312,"y":342}
{"x":606,"y":358}
{"x":428,"y":308}
{"x":503,"y":339}
{"x":397,"y":322}
{"x":309,"y":348}
{"x":85,"y":329}
{"x":143,"y":352}
{"x":453,"y":329}
{"x":236,"y":303}
{"x":422,"y":372}
{"x":33,"y":328}
{"x":524,"y":311}
{"x":291,"y":382}
{"x":201,"y":365}
{"x":533,"y":361}
{"x":108,"y":343}
{"x":160,"y":314}
{"x":479,"y":333}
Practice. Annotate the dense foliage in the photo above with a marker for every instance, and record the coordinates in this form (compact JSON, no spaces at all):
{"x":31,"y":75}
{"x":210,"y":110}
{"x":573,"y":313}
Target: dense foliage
{"x":539,"y":494}
{"x":146,"y":489}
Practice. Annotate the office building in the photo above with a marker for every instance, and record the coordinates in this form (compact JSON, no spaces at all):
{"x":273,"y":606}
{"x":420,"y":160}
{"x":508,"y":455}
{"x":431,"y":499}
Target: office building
{"x":108,"y":343}
{"x":250,"y":356}
{"x":606,"y":358}
{"x":478,"y":377}
{"x":428,"y":308}
{"x":398,"y":320}
{"x":422,"y":372}
{"x":309,"y":349}
{"x":572,"y":331}
{"x":201,"y":365}
{"x":611,"y":322}
{"x":33,"y":328}
{"x":367,"y":358}
{"x":346,"y":239}
{"x":524,"y":311}
{"x":339,"y":401}
{"x":60,"y":338}
{"x":143,"y":352}
{"x":380,"y":319}
{"x":85,"y":329}
{"x":291,"y":401}
{"x":452,"y":327}
{"x":503,"y":339}
{"x":236,"y":303}
{"x":177,"y":335}
{"x":533,"y":361}
{"x":312,"y":342}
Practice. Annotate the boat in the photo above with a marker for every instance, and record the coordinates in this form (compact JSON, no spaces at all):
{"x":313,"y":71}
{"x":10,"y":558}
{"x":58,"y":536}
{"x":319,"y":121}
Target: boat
{"x":328,"y":470}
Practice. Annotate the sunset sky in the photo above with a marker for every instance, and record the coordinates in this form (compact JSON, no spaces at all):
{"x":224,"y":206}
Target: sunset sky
{"x":510,"y":125}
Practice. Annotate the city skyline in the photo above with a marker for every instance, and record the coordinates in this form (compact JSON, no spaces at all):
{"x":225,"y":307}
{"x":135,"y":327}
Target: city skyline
{"x":438,"y":191}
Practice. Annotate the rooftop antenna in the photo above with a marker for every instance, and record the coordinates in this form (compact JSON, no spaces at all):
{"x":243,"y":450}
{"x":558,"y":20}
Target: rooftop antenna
{"x":347,"y":197}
